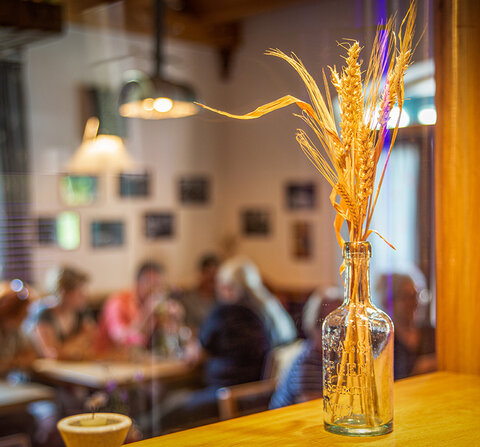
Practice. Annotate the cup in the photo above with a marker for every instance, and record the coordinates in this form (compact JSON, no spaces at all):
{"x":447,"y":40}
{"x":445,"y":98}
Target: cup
{"x":98,"y":430}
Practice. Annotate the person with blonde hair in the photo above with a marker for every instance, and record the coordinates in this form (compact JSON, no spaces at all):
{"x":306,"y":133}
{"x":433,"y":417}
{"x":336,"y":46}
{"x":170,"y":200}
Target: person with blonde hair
{"x":239,"y":278}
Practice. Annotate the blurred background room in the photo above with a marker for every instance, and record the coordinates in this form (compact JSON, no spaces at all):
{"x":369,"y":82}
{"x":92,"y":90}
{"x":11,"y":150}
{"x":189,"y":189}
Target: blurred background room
{"x":146,"y":245}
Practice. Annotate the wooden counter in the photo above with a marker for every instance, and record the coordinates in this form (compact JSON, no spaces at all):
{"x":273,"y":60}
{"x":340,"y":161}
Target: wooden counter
{"x":439,"y":409}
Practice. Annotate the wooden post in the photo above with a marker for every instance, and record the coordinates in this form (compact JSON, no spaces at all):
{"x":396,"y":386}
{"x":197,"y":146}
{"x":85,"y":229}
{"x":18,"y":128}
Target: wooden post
{"x":457,"y":184}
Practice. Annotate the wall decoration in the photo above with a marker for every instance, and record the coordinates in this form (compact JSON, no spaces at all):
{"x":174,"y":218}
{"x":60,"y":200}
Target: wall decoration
{"x":78,"y":190}
{"x":300,"y":195}
{"x":302,"y":238}
{"x":159,"y":225}
{"x":107,"y":233}
{"x":68,"y":230}
{"x":194,"y":190}
{"x":134,"y":185}
{"x":256,"y":222}
{"x":47,"y":230}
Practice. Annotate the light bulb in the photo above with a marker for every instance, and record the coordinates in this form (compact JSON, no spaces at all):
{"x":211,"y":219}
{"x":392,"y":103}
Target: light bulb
{"x":427,"y":115}
{"x":148,"y":104}
{"x":163,"y":104}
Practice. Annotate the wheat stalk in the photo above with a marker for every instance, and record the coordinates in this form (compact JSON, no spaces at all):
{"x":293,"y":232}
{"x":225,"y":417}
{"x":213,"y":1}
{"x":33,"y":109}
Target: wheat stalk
{"x":348,"y":159}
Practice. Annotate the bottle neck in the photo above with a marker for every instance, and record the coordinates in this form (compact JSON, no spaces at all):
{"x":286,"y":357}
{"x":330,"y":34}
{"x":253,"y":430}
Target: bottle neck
{"x":357,"y":273}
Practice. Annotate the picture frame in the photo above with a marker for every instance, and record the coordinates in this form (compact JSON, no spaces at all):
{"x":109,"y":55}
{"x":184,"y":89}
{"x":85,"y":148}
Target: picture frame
{"x":300,"y":195}
{"x":302,"y":240}
{"x":159,"y":225}
{"x":47,"y":230}
{"x":78,"y":190}
{"x":256,"y":222}
{"x":107,"y":233}
{"x":194,"y":190}
{"x":134,"y":185}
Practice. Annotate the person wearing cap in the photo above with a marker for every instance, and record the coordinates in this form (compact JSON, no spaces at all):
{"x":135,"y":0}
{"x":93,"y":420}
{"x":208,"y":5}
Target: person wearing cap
{"x":66,"y":331}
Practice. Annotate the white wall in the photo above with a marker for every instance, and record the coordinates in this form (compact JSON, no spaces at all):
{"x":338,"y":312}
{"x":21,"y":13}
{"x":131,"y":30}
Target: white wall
{"x":249,"y":161}
{"x":168,"y":149}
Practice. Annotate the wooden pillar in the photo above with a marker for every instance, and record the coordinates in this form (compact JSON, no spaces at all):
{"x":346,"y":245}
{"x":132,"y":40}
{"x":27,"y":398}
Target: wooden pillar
{"x":457,"y":184}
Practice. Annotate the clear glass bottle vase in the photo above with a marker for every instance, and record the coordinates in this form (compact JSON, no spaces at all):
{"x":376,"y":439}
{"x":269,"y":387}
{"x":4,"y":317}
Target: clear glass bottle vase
{"x":358,"y":356}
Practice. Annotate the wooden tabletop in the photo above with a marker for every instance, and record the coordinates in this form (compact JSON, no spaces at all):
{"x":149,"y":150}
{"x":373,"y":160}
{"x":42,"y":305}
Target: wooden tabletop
{"x":439,"y":409}
{"x":13,"y":397}
{"x":98,"y":374}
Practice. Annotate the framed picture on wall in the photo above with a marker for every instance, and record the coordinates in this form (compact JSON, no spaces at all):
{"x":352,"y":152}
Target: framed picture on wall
{"x":194,"y":190}
{"x":78,"y":190}
{"x":302,"y":240}
{"x":300,"y":195}
{"x":134,"y":185}
{"x":107,"y":233}
{"x":256,"y":222}
{"x":159,"y":225}
{"x":47,"y":230}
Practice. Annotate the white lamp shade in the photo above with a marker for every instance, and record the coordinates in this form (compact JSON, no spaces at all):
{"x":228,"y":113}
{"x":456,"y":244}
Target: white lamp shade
{"x":104,"y":153}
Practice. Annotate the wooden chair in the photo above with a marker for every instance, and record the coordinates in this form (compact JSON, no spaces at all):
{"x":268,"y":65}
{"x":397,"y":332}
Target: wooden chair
{"x":256,"y":395}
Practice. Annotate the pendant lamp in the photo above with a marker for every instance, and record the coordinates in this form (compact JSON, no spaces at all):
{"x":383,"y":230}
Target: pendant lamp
{"x":100,"y":153}
{"x":154,"y":97}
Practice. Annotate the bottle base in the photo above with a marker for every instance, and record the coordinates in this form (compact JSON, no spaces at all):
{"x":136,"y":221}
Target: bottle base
{"x":347,"y":427}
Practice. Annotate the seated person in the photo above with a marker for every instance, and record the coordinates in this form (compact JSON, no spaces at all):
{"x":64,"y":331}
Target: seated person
{"x":304,"y":379}
{"x":66,"y":331}
{"x":15,"y":350}
{"x":243,"y":276}
{"x":234,"y":343}
{"x":200,"y":301}
{"x":129,"y":318}
{"x":414,"y":343}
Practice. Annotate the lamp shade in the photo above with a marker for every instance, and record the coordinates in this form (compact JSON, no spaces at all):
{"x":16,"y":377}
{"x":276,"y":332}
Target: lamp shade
{"x":155,"y":98}
{"x":100,"y":153}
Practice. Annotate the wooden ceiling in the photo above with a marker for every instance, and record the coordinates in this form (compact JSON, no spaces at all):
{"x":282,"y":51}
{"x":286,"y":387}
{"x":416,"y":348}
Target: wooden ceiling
{"x":216,"y":23}
{"x":211,"y":22}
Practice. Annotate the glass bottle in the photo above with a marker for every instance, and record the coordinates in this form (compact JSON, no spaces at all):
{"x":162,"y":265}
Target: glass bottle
{"x":358,"y":356}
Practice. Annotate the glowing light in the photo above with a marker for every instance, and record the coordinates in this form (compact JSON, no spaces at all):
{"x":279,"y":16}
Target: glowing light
{"x":404,"y":118}
{"x":148,"y":104}
{"x":163,"y":104}
{"x":16,"y":285}
{"x":427,"y":115}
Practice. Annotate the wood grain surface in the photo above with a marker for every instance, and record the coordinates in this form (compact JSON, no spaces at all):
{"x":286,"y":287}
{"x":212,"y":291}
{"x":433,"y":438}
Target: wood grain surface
{"x":439,"y":409}
{"x":457,"y":184}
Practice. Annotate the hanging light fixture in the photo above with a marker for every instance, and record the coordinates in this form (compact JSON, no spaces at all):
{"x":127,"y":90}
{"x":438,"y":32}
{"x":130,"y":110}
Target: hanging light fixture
{"x":155,"y":97}
{"x":100,"y":153}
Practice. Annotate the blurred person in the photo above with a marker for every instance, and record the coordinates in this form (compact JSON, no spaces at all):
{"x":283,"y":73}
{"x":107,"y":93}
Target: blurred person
{"x":413,"y":344}
{"x":239,"y":277}
{"x":304,"y":380}
{"x":66,"y":330}
{"x":16,"y":351}
{"x":233,"y":344}
{"x":200,"y":301}
{"x":128,"y":318}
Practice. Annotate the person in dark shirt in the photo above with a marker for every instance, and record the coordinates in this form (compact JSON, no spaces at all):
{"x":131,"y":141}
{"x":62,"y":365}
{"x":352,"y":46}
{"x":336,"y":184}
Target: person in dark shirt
{"x":414,"y":342}
{"x":303,"y":381}
{"x":233,"y":344}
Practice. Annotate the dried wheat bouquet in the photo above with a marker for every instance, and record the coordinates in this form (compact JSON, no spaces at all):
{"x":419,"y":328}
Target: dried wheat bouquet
{"x":347,"y":155}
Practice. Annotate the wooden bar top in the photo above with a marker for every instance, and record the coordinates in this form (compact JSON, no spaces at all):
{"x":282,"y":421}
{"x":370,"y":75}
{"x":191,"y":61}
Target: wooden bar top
{"x":439,"y":409}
